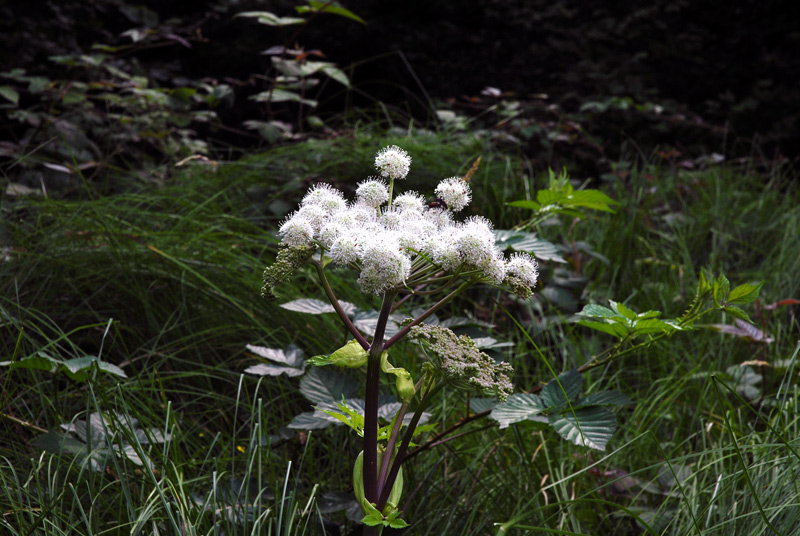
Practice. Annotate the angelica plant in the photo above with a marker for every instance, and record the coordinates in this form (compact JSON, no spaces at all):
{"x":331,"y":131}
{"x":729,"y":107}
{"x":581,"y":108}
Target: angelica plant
{"x":399,"y":247}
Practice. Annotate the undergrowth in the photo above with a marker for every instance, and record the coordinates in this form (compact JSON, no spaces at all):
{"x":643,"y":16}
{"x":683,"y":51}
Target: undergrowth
{"x":163,"y":283}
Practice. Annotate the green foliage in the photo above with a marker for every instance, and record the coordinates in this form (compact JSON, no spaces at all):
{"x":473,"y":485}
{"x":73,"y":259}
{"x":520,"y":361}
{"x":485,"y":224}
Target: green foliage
{"x":581,"y":420}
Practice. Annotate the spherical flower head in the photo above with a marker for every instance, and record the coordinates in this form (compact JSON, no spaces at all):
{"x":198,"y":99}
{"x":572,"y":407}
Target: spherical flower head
{"x":297,"y":231}
{"x":410,"y":201}
{"x":524,"y":267}
{"x":329,"y":232}
{"x":314,"y":214}
{"x":383,"y":264}
{"x":325,"y":196}
{"x":392,"y":220}
{"x":372,"y":192}
{"x":440,"y":217}
{"x":392,"y":162}
{"x":361,"y":215}
{"x":495,"y":268}
{"x":347,"y":247}
{"x":475,"y":246}
{"x":455,"y":193}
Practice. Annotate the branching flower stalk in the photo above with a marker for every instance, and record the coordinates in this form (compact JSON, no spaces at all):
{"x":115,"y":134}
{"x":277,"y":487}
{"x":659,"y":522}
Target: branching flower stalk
{"x":401,"y":246}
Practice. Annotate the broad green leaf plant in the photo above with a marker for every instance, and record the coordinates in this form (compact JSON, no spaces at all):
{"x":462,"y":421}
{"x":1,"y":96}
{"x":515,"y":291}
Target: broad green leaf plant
{"x":401,"y":247}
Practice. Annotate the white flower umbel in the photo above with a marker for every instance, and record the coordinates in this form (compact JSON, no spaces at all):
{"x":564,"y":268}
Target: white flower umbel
{"x":372,"y":192}
{"x":455,"y":193}
{"x":297,"y":231}
{"x":314,"y":214}
{"x":329,"y":232}
{"x":383,"y":264}
{"x":392,"y":162}
{"x":326,"y":197}
{"x":524,"y":267}
{"x":347,"y":247}
{"x":410,"y":201}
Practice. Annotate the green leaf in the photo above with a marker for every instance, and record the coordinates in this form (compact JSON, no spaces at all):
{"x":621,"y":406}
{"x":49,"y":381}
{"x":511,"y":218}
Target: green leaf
{"x":591,"y":199}
{"x":9,"y":93}
{"x":654,"y":325}
{"x":270,"y":19}
{"x":528,"y":243}
{"x":532,"y":205}
{"x":325,"y":385}
{"x":281,"y":95}
{"x":337,"y":74}
{"x":737,"y":312}
{"x":291,"y":361}
{"x":746,"y":293}
{"x":721,"y":289}
{"x":519,"y":407}
{"x":603,"y":398}
{"x":566,"y":387}
{"x":327,"y":7}
{"x":57,"y":442}
{"x":38,"y":361}
{"x":614,"y":329}
{"x":597,"y":311}
{"x":351,"y":355}
{"x":310,"y":306}
{"x":621,"y":310}
{"x":589,"y":427}
{"x":312,"y":420}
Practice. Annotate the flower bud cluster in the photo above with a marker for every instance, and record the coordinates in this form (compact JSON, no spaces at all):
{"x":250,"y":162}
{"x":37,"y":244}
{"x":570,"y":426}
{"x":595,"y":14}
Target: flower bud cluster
{"x":461,"y":362}
{"x":393,"y":241}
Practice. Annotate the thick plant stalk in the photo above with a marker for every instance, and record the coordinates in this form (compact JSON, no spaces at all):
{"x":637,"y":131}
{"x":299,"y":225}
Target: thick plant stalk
{"x":371,"y":401}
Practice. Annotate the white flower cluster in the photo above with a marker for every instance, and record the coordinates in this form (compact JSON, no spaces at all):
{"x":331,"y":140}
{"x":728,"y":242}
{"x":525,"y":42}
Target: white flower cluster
{"x":399,"y":243}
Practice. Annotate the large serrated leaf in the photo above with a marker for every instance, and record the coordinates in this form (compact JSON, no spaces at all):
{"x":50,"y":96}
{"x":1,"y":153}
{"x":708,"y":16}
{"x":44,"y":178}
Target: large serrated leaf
{"x":38,"y":361}
{"x":746,"y":293}
{"x":617,"y":330}
{"x":323,"y":385}
{"x":566,"y":387}
{"x":309,"y":306}
{"x":312,"y":420}
{"x":292,"y":356}
{"x":604,"y":398}
{"x":57,"y":443}
{"x":589,"y":427}
{"x":291,"y":361}
{"x":519,"y":407}
{"x":597,"y":311}
{"x":527,"y":243}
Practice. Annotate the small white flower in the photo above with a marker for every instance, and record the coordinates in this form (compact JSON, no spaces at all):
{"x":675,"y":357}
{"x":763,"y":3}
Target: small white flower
{"x":393,"y":162}
{"x":524,"y":267}
{"x":372,"y":192}
{"x":297,"y":231}
{"x":410,"y":201}
{"x":455,"y":193}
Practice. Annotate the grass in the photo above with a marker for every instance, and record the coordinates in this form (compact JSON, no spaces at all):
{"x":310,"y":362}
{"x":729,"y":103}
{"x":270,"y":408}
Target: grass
{"x":163,"y":282}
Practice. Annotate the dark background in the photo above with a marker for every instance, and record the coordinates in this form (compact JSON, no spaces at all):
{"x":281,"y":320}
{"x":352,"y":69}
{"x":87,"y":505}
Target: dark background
{"x":724,"y":74}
